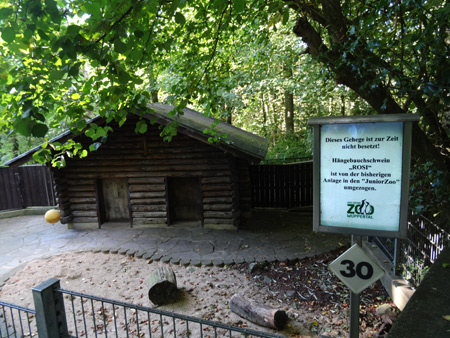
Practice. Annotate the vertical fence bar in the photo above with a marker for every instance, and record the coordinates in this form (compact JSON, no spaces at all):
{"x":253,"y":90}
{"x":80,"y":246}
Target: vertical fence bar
{"x":50,"y":313}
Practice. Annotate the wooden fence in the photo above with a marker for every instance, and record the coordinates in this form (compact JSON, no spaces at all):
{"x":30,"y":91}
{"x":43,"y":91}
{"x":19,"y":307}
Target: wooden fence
{"x":282,"y":185}
{"x":273,"y":186}
{"x":26,"y":186}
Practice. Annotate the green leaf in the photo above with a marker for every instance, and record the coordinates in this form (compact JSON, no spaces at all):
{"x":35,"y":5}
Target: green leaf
{"x":23,"y":127}
{"x":88,"y":85}
{"x":56,"y":75}
{"x":39,"y":130}
{"x":285,"y":17}
{"x":75,"y":96}
{"x":141,"y":127}
{"x":95,"y":146}
{"x":180,"y":19}
{"x":43,"y":35}
{"x":8,"y":34}
{"x":5,"y":12}
{"x":124,"y":77}
{"x":120,"y":47}
{"x":138,"y":33}
{"x":135,"y":55}
{"x":27,"y":35}
{"x":73,"y":30}
{"x":239,"y":5}
{"x":93,"y":9}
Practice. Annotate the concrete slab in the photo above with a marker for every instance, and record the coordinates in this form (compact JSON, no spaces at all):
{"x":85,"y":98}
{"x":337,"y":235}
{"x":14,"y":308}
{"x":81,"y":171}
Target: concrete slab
{"x":270,"y":234}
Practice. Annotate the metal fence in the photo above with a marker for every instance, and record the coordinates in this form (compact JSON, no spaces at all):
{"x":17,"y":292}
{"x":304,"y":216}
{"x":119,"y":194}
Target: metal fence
{"x":65,"y":313}
{"x":412,"y":257}
{"x":16,"y":321}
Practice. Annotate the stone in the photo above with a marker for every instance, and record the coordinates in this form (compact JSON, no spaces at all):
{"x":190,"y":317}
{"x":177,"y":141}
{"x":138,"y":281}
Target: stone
{"x":386,"y":309}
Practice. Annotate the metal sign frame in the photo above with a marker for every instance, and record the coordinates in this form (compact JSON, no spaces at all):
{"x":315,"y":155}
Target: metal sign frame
{"x":317,"y":123}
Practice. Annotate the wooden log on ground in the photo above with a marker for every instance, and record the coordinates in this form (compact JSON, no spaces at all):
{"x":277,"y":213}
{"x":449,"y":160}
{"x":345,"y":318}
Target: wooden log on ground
{"x":258,"y":313}
{"x":162,"y":286}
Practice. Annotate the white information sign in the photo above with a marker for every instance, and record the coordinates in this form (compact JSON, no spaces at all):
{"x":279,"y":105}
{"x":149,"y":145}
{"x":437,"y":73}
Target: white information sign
{"x":360,"y":175}
{"x":356,"y":269}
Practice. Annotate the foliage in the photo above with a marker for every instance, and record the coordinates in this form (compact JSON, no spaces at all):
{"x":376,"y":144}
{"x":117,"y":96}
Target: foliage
{"x":429,"y":191}
{"x":393,"y":54}
{"x":62,"y":62}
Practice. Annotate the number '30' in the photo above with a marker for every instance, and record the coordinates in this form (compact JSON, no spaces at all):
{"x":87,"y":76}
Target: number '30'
{"x":363,"y":269}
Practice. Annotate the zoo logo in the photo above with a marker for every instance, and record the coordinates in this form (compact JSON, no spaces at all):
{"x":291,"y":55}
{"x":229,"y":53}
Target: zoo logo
{"x":361,"y":209}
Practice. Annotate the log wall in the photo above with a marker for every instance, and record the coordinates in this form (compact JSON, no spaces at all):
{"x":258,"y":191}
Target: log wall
{"x":146,"y":162}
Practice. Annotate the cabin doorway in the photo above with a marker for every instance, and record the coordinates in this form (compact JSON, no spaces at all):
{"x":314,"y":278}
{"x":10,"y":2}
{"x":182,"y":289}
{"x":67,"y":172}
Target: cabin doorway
{"x":113,"y":202}
{"x":185,"y":201}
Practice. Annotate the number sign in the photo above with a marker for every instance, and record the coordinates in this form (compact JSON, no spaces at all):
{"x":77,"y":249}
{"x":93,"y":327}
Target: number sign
{"x":356,"y":269}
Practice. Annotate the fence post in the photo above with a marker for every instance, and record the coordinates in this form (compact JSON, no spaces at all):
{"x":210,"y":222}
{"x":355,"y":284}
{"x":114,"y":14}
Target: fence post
{"x":49,"y":307}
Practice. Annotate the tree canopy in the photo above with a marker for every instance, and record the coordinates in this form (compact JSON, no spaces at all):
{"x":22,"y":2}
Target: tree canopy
{"x":62,"y":61}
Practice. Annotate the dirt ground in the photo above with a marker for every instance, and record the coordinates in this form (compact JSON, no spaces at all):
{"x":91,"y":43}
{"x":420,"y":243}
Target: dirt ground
{"x":315,"y":301}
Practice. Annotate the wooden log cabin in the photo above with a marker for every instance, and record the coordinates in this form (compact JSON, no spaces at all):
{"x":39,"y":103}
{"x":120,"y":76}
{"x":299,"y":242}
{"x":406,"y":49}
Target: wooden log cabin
{"x":138,"y":180}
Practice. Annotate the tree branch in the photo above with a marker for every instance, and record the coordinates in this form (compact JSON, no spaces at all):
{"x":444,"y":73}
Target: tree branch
{"x":124,"y":15}
{"x":216,"y":41}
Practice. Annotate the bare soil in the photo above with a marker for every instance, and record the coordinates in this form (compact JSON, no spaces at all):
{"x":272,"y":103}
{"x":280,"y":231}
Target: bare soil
{"x":315,"y":301}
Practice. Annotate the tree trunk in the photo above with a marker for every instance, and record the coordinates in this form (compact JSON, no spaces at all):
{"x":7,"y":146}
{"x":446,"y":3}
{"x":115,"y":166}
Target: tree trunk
{"x":162,"y":286}
{"x":155,"y":97}
{"x":288,"y":102}
{"x":377,"y":95}
{"x":289,"y":112}
{"x":258,"y":313}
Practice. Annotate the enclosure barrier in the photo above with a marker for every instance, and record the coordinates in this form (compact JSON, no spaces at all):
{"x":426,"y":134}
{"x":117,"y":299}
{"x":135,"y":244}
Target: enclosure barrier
{"x":16,"y":321}
{"x":26,"y":186}
{"x":65,"y":313}
{"x":412,"y":257}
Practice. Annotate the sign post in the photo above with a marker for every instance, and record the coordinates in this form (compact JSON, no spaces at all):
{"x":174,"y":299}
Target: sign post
{"x":360,"y":187}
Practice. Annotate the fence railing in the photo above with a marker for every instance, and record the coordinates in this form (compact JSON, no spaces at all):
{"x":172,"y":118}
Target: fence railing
{"x":281,"y":185}
{"x":65,"y":313}
{"x":26,"y":186}
{"x":412,"y":257}
{"x":16,"y":321}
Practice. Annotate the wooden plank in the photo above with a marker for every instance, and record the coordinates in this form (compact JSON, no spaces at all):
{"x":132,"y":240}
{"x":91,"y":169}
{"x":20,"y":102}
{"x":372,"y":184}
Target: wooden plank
{"x":211,"y":194}
{"x":145,"y":201}
{"x":85,"y":220}
{"x":135,"y":195}
{"x":216,"y":180}
{"x":84,"y":213}
{"x":143,"y":221}
{"x":149,"y":169}
{"x":82,"y":200}
{"x":217,"y":207}
{"x":154,"y":214}
{"x":146,"y":187}
{"x":146,"y":180}
{"x":218,"y":214}
{"x":81,"y":187}
{"x":214,"y":200}
{"x":224,"y":187}
{"x":148,"y":207}
{"x":131,"y":174}
{"x":82,"y":193}
{"x":83,"y":207}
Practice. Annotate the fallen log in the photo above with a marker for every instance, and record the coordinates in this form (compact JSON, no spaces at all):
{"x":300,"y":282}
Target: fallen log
{"x":162,"y":285}
{"x":258,"y":313}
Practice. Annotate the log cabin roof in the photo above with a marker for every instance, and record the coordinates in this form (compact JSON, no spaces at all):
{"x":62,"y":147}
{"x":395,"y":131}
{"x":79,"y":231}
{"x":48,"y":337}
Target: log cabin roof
{"x":238,"y":142}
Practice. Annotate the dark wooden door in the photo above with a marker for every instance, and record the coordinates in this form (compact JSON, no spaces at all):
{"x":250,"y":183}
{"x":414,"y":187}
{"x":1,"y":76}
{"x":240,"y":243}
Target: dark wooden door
{"x":185,"y":201}
{"x":114,"y":200}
